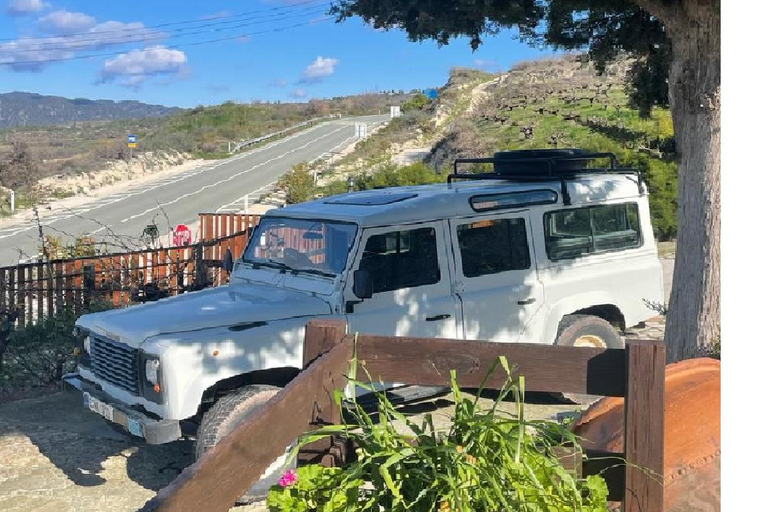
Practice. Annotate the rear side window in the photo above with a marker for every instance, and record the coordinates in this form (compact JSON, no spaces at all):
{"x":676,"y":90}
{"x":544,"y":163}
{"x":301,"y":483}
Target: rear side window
{"x":493,"y":246}
{"x":401,"y":259}
{"x":580,"y":231}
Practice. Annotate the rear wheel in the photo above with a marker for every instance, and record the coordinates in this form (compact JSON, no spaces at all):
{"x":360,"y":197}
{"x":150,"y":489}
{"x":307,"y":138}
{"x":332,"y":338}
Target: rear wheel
{"x":229,"y":412}
{"x":586,"y":331}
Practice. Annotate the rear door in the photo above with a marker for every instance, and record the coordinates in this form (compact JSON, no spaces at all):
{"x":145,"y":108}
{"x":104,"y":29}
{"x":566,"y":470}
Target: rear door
{"x":496,"y":278}
{"x":412,"y":295}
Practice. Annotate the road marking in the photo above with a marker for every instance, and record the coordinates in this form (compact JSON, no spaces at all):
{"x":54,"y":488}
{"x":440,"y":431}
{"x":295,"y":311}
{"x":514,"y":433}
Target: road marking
{"x":141,"y":189}
{"x":230,"y":178}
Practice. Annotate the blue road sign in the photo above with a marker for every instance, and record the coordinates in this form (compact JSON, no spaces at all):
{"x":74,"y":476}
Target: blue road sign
{"x":132,"y":139}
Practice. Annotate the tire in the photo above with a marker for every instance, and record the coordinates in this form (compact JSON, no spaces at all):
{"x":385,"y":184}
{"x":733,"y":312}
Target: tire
{"x":228,"y":413}
{"x":586,"y":331}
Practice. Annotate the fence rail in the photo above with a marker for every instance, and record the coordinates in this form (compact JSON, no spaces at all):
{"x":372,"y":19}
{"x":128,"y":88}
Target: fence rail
{"x":30,"y":292}
{"x":241,"y":145}
{"x":222,"y":475}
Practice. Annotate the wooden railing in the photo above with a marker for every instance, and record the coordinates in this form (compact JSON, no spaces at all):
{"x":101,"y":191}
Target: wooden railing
{"x":222,"y":475}
{"x":32,"y":291}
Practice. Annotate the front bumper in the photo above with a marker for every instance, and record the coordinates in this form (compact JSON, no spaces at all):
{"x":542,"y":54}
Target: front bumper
{"x":153,"y":431}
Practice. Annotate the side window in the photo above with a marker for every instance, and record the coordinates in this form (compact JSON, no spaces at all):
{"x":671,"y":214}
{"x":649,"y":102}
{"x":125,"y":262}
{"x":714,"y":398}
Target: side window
{"x":579,"y":231}
{"x":401,"y":259}
{"x":493,"y":246}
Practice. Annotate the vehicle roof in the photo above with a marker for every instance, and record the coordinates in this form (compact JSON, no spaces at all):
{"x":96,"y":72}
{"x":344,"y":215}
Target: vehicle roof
{"x":397,"y":205}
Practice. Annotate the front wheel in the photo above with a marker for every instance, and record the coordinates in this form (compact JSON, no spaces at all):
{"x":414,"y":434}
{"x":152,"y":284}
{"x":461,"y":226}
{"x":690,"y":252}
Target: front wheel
{"x":229,"y":412}
{"x":586,"y":331}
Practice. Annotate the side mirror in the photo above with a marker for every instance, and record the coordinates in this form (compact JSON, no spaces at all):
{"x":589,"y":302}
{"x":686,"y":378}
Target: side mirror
{"x":362,"y":286}
{"x":228,"y":263}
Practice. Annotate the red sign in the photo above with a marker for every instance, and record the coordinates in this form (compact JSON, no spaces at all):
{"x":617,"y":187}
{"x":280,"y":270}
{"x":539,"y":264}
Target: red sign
{"x":182,"y":235}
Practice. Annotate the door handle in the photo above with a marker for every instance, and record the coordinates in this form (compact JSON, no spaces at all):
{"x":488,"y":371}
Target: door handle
{"x":526,"y":301}
{"x":438,"y":317}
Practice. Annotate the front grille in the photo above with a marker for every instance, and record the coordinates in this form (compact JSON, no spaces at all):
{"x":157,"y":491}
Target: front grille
{"x":116,"y":363}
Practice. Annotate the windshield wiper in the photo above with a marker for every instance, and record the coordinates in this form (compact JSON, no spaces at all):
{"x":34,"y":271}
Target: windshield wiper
{"x":314,"y":271}
{"x":269,"y":263}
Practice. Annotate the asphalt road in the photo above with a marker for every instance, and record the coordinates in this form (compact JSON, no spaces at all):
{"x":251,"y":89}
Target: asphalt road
{"x":177,"y":198}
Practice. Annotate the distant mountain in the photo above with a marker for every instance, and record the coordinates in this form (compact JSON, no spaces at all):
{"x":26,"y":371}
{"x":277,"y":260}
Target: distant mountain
{"x":30,"y":109}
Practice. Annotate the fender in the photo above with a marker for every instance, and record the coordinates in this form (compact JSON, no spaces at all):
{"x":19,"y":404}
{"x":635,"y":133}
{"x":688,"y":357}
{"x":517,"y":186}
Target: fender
{"x":569,"y":305}
{"x":214,"y":355}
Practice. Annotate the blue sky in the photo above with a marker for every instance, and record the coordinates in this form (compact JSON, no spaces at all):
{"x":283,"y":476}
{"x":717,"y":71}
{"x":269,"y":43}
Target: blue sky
{"x":42,"y":42}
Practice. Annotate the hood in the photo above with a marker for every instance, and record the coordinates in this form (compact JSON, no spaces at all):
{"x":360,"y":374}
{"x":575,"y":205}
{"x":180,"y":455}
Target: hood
{"x":239,"y":303}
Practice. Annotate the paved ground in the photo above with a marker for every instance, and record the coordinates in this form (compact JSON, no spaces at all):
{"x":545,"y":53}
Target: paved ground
{"x":180,"y":197}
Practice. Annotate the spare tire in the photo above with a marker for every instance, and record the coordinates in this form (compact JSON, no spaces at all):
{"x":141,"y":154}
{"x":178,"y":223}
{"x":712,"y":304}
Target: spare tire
{"x":586,"y":331}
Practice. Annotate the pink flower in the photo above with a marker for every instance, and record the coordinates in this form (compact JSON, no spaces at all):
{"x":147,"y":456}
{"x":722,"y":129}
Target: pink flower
{"x":289,"y":478}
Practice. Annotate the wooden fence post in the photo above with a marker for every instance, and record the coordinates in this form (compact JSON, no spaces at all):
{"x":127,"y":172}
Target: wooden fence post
{"x":89,"y":285}
{"x":320,"y":337}
{"x":644,"y":426}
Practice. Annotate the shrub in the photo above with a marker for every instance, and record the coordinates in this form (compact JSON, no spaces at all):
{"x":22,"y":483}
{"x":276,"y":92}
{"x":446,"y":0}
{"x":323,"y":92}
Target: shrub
{"x":298,"y":183}
{"x":39,"y":354}
{"x":486,"y":461}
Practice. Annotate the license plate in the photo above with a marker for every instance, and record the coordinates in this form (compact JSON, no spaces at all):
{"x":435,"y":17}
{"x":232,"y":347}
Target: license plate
{"x":99,"y":407}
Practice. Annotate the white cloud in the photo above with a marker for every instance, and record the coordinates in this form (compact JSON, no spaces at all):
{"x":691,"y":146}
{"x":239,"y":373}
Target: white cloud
{"x":133,"y":68}
{"x":33,"y":54}
{"x":63,"y":23}
{"x":321,"y":68}
{"x":298,"y":93}
{"x":25,"y":7}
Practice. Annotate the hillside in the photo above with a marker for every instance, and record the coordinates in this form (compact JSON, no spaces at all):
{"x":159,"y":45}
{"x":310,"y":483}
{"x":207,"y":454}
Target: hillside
{"x":30,"y":109}
{"x":542,"y":104}
{"x":204,"y":132}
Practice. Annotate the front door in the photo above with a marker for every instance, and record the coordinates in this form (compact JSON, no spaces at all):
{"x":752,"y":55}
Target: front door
{"x":411,"y":283}
{"x":496,"y":276}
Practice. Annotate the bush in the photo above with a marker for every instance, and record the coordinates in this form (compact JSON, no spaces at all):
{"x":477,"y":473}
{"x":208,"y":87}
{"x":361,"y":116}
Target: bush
{"x":298,"y":183}
{"x":486,"y":461}
{"x":418,"y":102}
{"x":40,"y":354}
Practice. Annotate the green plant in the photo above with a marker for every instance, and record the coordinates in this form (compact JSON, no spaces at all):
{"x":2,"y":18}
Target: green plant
{"x":298,"y":183}
{"x":40,"y":353}
{"x":485,"y":461}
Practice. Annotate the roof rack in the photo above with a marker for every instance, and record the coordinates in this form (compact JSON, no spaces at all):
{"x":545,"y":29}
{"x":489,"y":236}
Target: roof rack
{"x":532,"y":165}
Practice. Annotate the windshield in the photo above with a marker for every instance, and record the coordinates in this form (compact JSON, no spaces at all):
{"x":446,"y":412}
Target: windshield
{"x":302,"y":245}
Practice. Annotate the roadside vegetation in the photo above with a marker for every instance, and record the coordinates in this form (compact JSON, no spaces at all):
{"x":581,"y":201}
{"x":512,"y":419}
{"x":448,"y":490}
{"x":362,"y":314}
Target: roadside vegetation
{"x":554,"y":103}
{"x":28,"y":154}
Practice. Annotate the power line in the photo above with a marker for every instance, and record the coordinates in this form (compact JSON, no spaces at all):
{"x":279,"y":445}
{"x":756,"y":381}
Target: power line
{"x":181,"y":45}
{"x":291,"y":7}
{"x":84,"y":44}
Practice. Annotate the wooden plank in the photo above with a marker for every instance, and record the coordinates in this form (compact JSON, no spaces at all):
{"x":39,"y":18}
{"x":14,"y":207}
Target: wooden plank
{"x":4,"y":289}
{"x":78,"y":286}
{"x":30,"y":298}
{"x":12,"y":289}
{"x":50,"y":290}
{"x":222,"y":475}
{"x":320,"y":337}
{"x":21,"y":303}
{"x":644,"y":426}
{"x":69,"y":285}
{"x":40,"y":290}
{"x":59,"y":286}
{"x":428,"y":362}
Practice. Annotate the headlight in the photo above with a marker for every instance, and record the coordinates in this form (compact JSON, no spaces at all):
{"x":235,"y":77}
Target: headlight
{"x":87,"y":345}
{"x":151,"y":370}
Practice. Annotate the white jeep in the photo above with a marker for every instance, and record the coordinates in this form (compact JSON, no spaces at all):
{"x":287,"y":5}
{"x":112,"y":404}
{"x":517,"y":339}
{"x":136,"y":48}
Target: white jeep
{"x":541,"y":250}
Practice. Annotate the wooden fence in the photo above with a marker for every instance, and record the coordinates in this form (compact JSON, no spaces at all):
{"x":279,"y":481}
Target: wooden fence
{"x":32,"y":291}
{"x":217,"y":225}
{"x":214,"y":482}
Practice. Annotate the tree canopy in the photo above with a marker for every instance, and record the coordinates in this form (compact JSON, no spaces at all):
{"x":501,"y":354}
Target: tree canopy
{"x":602,"y":27}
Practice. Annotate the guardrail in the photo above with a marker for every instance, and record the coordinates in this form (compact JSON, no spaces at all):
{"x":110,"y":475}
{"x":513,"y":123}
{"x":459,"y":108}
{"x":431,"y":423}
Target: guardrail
{"x":222,"y":475}
{"x":241,"y":145}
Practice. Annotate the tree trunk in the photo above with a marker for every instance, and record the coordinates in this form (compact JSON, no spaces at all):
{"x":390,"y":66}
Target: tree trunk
{"x":693,"y":322}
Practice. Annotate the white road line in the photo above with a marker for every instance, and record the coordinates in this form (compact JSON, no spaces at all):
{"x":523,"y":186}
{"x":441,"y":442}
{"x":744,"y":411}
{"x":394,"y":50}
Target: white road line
{"x":230,"y":178}
{"x":141,"y":190}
